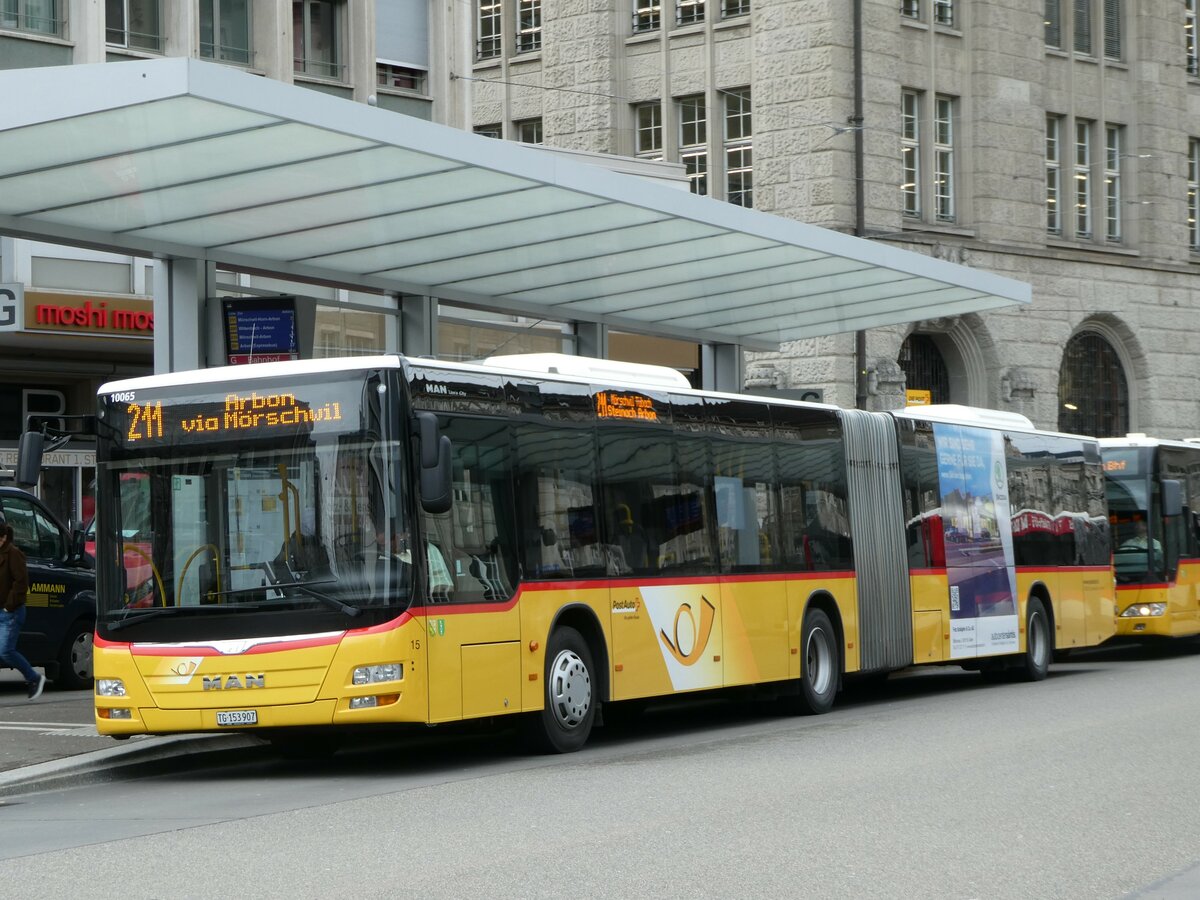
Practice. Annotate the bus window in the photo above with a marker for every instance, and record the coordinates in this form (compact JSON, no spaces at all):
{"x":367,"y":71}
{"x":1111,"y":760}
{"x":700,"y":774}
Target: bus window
{"x":642,"y":514}
{"x":745,"y":505}
{"x":471,"y":548}
{"x":816,"y":520}
{"x":557,"y":512}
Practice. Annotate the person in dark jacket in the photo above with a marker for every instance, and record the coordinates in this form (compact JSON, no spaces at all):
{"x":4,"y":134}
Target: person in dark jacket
{"x":14,"y":583}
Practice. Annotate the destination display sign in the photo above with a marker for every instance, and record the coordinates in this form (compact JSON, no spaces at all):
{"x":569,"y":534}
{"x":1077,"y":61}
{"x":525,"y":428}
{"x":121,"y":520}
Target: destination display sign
{"x":144,"y":421}
{"x":625,"y":405}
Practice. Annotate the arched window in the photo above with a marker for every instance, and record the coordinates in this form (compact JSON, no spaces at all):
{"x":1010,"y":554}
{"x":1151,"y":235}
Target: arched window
{"x":1093,"y":396}
{"x":924,"y":368}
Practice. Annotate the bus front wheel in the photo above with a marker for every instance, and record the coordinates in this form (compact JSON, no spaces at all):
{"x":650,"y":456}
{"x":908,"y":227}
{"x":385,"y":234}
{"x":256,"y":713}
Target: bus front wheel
{"x":819,"y":664}
{"x":569,"y":710}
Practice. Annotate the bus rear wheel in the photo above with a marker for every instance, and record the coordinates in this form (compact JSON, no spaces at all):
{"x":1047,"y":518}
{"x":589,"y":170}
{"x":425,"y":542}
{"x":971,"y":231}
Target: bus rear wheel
{"x":1035,"y":664}
{"x":820,"y":664}
{"x":569,"y":708}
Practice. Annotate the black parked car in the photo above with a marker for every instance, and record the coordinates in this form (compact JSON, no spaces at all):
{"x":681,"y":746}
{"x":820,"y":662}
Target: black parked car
{"x":61,"y":604}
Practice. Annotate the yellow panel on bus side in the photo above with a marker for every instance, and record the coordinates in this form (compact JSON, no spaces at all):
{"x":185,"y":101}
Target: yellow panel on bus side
{"x":930,"y":602}
{"x":754,"y":618}
{"x":666,"y":637}
{"x":491,"y":679}
{"x":539,"y":608}
{"x":1185,"y":599}
{"x":448,"y":628}
{"x":929,"y":628}
{"x":801,"y":591}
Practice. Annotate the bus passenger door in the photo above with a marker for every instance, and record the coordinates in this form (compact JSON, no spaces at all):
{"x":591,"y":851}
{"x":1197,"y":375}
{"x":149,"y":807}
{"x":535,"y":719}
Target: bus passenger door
{"x":473,"y":627}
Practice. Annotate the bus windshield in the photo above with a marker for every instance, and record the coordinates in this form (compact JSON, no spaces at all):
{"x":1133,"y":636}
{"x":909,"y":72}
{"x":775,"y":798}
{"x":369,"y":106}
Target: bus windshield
{"x":1137,"y":541}
{"x":241,"y":507}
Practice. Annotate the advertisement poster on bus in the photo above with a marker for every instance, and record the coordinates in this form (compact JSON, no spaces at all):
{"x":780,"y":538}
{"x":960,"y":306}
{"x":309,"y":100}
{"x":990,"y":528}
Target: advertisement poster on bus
{"x":978,"y":533}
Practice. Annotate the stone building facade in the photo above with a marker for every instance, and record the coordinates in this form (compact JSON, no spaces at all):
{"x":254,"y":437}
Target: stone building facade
{"x":1051,"y":142}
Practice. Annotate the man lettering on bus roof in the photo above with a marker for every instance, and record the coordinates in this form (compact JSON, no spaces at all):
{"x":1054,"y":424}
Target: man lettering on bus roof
{"x":14,"y":583}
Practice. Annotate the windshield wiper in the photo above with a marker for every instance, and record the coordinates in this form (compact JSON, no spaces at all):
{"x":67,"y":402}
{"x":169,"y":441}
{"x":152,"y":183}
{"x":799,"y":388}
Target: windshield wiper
{"x":306,"y":587}
{"x":134,"y":618}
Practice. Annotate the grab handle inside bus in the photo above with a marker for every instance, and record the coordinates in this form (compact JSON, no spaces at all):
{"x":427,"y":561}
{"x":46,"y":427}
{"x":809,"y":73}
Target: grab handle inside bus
{"x":435,"y":464}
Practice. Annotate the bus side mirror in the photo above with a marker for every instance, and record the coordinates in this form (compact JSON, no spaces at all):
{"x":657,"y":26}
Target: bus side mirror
{"x":29,"y":458}
{"x":435,"y":465}
{"x":1172,"y":497}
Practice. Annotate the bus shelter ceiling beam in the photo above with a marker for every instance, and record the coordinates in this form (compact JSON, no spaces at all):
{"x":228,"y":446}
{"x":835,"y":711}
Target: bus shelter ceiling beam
{"x":387,"y":223}
{"x":610,"y":295}
{"x":778,"y":300}
{"x":505,"y":235}
{"x":657,"y":247}
{"x":802,"y":280}
{"x":78,"y":172}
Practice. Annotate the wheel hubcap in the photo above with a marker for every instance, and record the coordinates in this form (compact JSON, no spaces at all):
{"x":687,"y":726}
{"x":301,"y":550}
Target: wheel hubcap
{"x":81,"y":656}
{"x":570,"y":689}
{"x":818,"y":661}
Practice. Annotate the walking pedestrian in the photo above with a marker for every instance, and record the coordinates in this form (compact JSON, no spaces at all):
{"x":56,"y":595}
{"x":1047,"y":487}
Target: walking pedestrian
{"x":14,"y":583}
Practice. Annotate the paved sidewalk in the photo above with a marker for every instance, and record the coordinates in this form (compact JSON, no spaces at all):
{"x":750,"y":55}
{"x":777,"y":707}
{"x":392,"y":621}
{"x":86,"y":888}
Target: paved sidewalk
{"x":53,"y":740}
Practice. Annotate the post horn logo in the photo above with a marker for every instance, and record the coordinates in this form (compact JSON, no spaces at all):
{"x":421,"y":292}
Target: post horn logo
{"x":708,"y":614}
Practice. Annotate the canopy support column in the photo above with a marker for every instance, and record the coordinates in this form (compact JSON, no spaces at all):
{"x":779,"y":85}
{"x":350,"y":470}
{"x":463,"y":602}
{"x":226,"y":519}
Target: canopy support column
{"x":721,"y":367}
{"x":418,"y":325}
{"x":183,"y":332}
{"x":591,"y":339}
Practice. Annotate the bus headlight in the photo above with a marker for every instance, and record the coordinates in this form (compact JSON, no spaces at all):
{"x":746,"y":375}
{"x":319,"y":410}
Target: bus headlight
{"x":1145,"y":610}
{"x":379,"y":674}
{"x":110,"y":687}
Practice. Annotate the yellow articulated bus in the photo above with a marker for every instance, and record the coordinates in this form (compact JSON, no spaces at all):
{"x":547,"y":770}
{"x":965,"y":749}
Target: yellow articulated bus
{"x":340,"y":543}
{"x":1153,"y":498}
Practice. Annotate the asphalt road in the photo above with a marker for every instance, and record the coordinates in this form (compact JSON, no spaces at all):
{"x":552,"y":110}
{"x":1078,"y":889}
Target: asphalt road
{"x":933,"y":785}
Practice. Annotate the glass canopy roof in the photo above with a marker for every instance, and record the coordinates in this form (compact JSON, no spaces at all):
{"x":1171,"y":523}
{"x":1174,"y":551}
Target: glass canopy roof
{"x":186,"y":158}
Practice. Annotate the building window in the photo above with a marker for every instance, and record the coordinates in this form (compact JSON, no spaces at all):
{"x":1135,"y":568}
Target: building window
{"x":1054,"y":24}
{"x":1083,"y":178}
{"x":529,"y":26}
{"x":489,"y":38}
{"x":943,"y":158}
{"x":910,"y":148}
{"x":924,"y":367}
{"x":397,"y":77}
{"x":910,"y":9}
{"x":1193,"y":194}
{"x":693,"y":142}
{"x":739,"y":150}
{"x":491,"y":131}
{"x":529,"y":131}
{"x":1093,"y":395}
{"x":37,"y":16}
{"x":1053,"y":174}
{"x":943,"y":12}
{"x":1189,"y":37}
{"x":689,"y":12}
{"x":136,"y":24}
{"x":647,"y":15}
{"x":1112,"y":182}
{"x":731,"y":8}
{"x":1082,"y":27}
{"x":1112,"y":29}
{"x":316,"y":39}
{"x":648,"y":133}
{"x":225,"y":31}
